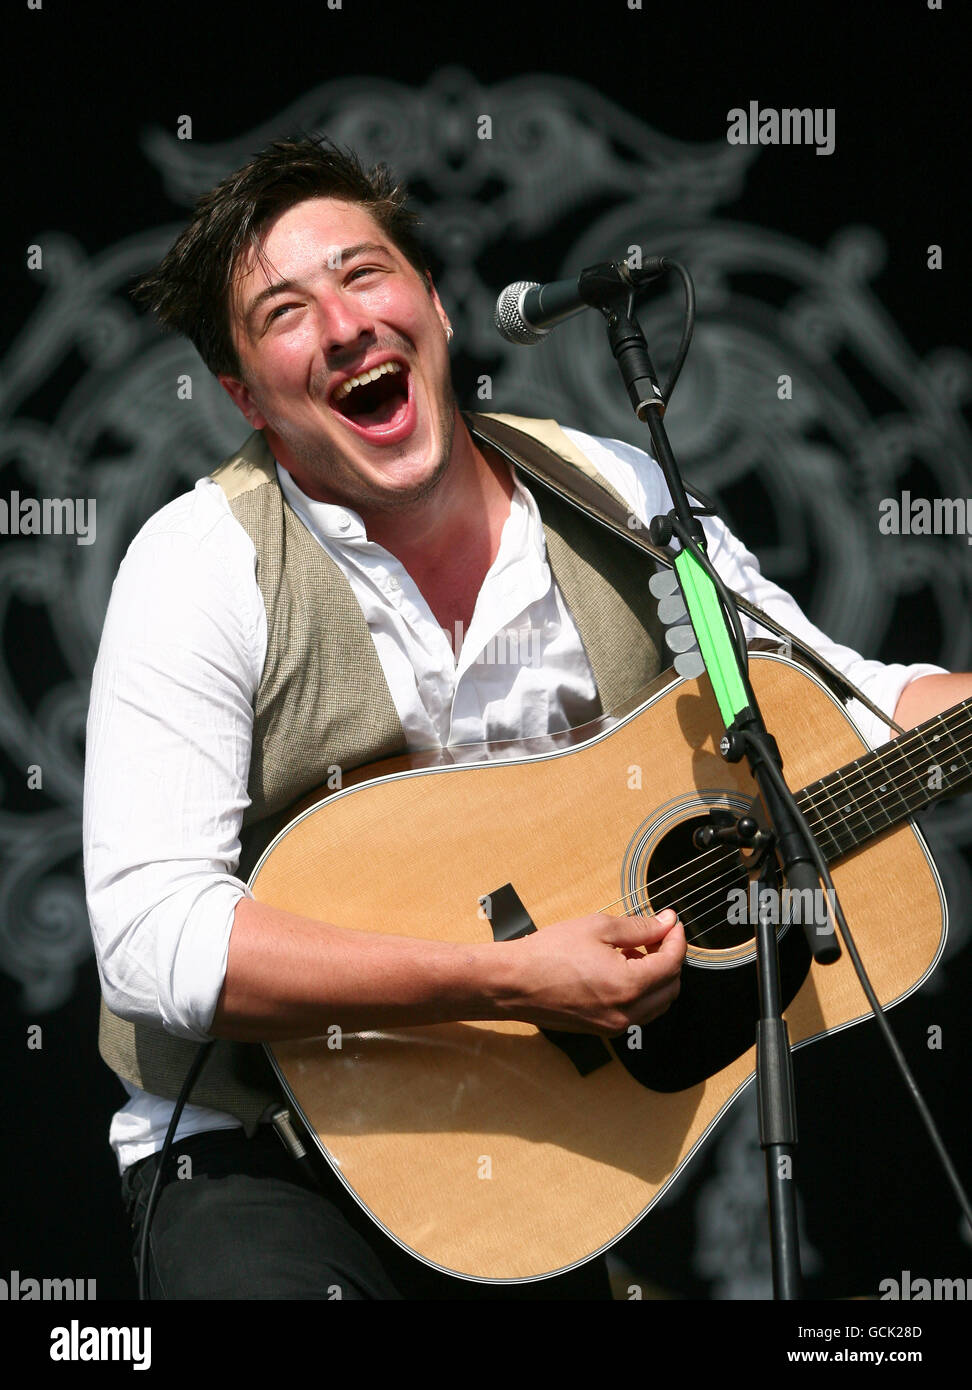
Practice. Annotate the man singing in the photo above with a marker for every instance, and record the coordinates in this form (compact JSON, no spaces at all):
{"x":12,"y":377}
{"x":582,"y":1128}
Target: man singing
{"x":325,"y":599}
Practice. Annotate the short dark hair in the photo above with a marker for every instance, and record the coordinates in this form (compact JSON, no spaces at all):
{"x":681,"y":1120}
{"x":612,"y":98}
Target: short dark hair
{"x":190,"y":289}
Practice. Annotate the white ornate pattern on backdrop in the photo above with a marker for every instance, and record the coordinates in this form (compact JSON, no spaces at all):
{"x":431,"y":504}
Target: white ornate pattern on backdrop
{"x":560,"y":154}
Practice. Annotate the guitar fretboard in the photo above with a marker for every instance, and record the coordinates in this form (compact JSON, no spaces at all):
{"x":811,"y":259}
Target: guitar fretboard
{"x":882,"y":788}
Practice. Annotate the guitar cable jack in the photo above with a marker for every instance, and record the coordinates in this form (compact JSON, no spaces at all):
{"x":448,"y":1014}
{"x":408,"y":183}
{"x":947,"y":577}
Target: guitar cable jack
{"x":292,"y":1142}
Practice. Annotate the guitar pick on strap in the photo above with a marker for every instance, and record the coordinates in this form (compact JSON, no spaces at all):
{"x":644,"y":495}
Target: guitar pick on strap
{"x":679,"y":636}
{"x":581,"y":489}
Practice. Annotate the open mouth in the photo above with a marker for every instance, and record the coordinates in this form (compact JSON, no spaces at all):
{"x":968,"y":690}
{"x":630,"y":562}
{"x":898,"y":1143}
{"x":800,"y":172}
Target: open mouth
{"x":375,"y":402}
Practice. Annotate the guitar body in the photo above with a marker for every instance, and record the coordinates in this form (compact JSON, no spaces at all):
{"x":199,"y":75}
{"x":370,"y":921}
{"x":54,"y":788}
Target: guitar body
{"x":483,"y":1148}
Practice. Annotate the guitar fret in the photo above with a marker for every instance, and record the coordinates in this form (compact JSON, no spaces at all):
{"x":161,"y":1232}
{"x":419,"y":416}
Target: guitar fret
{"x":807,"y":802}
{"x":838,"y":831}
{"x":940,"y":772}
{"x":862,"y":830}
{"x":876,"y":786}
{"x":961,"y":765}
{"x":887,"y":786}
{"x":915,"y":793}
{"x":934,"y":759}
{"x":890,"y":781}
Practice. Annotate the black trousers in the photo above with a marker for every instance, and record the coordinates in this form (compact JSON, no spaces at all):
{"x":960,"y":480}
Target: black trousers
{"x":245,"y":1222}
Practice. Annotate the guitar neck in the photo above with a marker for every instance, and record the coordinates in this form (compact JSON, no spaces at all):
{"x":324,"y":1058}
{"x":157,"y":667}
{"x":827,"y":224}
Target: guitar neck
{"x":888,"y":785}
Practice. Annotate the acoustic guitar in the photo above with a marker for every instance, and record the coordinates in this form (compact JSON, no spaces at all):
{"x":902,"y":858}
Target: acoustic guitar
{"x":499,"y":1152}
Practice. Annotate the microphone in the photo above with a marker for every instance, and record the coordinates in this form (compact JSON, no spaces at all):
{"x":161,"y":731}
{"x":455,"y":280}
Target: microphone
{"x":526,"y":311}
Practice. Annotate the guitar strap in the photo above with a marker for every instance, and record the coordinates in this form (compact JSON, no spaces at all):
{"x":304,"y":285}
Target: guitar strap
{"x":576,"y":482}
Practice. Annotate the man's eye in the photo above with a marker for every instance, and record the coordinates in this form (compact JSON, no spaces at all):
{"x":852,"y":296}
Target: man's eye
{"x":280,"y":309}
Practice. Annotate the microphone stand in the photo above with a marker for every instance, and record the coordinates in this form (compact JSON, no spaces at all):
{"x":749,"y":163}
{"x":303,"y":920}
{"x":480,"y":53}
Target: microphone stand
{"x":611,"y":289}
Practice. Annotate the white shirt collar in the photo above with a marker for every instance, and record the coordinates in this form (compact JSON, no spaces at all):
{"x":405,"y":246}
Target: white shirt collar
{"x":327,"y":519}
{"x":344,"y":526}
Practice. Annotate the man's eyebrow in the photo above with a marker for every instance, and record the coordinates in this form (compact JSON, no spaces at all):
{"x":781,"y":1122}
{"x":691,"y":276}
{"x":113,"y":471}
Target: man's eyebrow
{"x":345,"y":253}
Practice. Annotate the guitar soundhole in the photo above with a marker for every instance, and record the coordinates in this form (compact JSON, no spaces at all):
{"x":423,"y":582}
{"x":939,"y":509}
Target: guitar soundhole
{"x":710,"y":888}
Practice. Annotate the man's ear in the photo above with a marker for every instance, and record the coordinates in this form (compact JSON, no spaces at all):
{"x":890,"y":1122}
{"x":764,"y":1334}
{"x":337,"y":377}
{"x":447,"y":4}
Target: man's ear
{"x":239,"y":394}
{"x":434,"y":296}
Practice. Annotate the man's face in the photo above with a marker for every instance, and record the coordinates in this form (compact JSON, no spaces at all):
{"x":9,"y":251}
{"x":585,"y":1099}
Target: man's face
{"x":333,"y":298}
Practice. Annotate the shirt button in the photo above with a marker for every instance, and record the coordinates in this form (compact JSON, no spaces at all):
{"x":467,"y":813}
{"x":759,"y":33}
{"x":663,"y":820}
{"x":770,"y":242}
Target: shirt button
{"x":345,"y":523}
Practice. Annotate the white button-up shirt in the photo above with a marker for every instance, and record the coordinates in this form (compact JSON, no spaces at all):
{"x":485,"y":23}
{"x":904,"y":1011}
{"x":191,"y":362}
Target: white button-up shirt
{"x":170,"y":720}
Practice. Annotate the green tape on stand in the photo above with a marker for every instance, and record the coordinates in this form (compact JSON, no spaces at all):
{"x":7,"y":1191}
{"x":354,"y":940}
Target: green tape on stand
{"x":715,"y":643}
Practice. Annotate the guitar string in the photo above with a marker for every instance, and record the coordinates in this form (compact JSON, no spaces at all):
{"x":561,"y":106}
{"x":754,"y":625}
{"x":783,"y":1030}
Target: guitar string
{"x":697,"y":936}
{"x":902,"y":747}
{"x":702,"y":866}
{"x":654,"y":888}
{"x":631,"y":900}
{"x":679,"y":881}
{"x":819,"y":822}
{"x":840,"y":815}
{"x":698,"y":865}
{"x":885,"y":762}
{"x":685,"y":905}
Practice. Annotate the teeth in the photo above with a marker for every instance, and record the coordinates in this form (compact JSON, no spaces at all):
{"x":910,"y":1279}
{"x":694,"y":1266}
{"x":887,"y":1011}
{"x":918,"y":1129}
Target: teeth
{"x":364,"y":377}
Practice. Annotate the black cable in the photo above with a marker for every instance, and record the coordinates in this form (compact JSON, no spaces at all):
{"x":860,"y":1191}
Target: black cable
{"x":192,"y":1077}
{"x":689,"y":328}
{"x":821,"y":866}
{"x":689,"y":543}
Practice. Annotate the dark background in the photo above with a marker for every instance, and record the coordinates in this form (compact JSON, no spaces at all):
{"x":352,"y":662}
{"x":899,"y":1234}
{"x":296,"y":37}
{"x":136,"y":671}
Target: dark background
{"x":81,"y":86}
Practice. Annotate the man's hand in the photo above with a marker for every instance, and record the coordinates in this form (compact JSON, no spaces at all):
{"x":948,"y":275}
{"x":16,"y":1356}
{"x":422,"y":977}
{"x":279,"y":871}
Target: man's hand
{"x":596,"y":974}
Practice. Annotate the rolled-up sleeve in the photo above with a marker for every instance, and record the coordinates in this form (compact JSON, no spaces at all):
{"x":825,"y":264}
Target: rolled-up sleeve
{"x":168,"y":750}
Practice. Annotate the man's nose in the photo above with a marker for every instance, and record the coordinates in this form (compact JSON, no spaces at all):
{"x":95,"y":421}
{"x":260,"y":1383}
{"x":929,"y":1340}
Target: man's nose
{"x":345,"y":325}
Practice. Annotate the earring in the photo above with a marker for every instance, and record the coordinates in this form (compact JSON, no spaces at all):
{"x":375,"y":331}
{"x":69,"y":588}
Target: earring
{"x":449,"y":333}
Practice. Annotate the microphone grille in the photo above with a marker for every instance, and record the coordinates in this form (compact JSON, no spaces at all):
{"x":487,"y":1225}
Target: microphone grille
{"x":509,"y":320}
